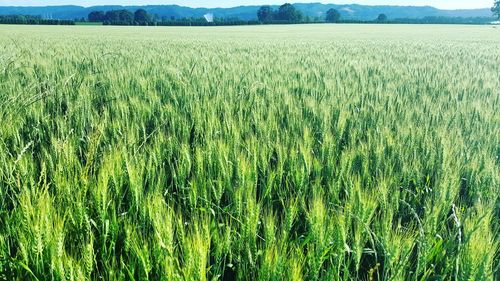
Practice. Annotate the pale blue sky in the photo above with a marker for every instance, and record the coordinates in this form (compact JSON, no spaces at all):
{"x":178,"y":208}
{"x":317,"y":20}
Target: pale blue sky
{"x":444,"y":4}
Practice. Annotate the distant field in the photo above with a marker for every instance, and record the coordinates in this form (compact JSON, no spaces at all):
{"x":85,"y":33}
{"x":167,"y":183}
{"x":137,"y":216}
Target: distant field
{"x":87,"y":23}
{"x":330,"y":152}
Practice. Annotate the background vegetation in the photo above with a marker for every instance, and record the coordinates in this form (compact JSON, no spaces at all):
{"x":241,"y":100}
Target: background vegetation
{"x":248,"y":13}
{"x":171,"y":15}
{"x":266,"y":153}
{"x":33,"y":20}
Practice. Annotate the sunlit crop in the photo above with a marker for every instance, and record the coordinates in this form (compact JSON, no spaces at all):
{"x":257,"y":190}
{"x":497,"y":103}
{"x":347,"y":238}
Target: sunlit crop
{"x":330,"y":152}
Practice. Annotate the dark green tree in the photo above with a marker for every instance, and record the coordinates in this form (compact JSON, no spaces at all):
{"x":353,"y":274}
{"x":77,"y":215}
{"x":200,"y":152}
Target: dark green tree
{"x":112,"y":16}
{"x":287,"y":12}
{"x":496,"y":9}
{"x":126,"y":16}
{"x":382,"y":18}
{"x":141,"y":16}
{"x":97,"y":16}
{"x":120,"y":17}
{"x":265,"y":13}
{"x":332,"y":15}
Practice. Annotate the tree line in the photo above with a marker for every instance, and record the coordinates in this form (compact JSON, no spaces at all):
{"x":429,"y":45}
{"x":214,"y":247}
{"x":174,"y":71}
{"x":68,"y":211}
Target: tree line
{"x":289,"y":14}
{"x":121,"y":17}
{"x":285,"y":14}
{"x":142,"y":17}
{"x":442,"y":20}
{"x":33,"y":20}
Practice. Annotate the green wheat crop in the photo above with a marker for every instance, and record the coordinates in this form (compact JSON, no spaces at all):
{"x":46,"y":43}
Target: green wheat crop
{"x":352,"y":152}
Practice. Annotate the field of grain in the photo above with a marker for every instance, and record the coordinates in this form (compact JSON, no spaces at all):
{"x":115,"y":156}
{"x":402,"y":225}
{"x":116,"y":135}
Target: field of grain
{"x":311,"y":152}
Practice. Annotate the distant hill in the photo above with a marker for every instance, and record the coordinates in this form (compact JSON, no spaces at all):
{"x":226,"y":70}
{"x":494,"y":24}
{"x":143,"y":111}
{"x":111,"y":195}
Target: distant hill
{"x":358,"y":12}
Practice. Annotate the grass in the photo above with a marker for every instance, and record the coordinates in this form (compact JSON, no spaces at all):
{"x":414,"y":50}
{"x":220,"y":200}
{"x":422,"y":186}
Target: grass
{"x":86,"y":23}
{"x":268,"y":153}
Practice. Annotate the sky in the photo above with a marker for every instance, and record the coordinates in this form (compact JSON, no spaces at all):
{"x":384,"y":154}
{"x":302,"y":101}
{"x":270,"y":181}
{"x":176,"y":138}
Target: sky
{"x":443,"y":4}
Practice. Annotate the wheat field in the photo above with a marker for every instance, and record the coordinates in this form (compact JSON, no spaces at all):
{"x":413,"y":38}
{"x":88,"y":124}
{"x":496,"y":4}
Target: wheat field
{"x":309,"y":152}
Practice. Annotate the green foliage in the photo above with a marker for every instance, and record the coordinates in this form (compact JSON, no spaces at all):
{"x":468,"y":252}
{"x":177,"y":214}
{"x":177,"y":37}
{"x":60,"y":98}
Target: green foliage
{"x":34,"y":20}
{"x":312,"y":152}
{"x":141,"y":16}
{"x":332,"y":16}
{"x":496,"y":9}
{"x":96,"y":16}
{"x":382,"y":18}
{"x":265,"y":13}
{"x":119,"y":17}
{"x":286,"y":13}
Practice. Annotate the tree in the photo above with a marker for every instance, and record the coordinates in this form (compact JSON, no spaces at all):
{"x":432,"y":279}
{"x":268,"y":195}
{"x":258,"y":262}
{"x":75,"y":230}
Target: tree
{"x":141,"y":16}
{"x":382,"y":18}
{"x":112,"y":16}
{"x":97,"y":16}
{"x":287,"y":12}
{"x":265,"y":13}
{"x":119,"y":17}
{"x":126,"y":16}
{"x":332,"y":15}
{"x":496,"y":9}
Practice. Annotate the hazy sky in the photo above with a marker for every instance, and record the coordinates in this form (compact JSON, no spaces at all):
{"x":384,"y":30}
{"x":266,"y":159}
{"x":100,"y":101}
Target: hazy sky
{"x":444,"y":4}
